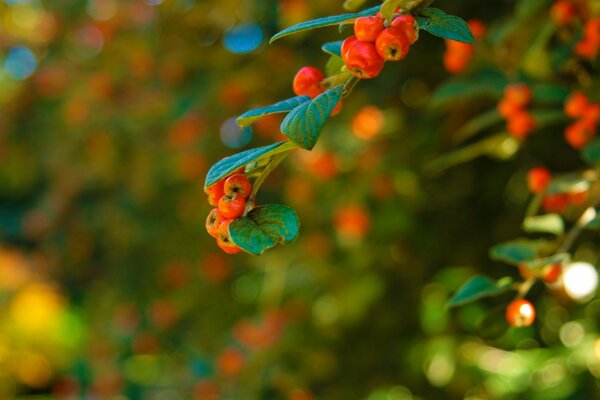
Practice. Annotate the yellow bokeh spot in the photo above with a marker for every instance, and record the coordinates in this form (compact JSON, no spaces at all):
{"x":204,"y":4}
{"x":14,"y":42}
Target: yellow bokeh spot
{"x":33,"y":369}
{"x":36,"y":308}
{"x":368,"y":122}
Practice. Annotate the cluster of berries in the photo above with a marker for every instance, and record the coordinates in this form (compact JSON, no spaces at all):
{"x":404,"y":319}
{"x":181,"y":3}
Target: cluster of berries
{"x":374,"y":43}
{"x":549,"y":274}
{"x":587,"y":114}
{"x":513,"y":107}
{"x":308,"y":82}
{"x":565,"y":12}
{"x":458,"y":55}
{"x":539,"y":179}
{"x":520,"y":313}
{"x":229,"y":197}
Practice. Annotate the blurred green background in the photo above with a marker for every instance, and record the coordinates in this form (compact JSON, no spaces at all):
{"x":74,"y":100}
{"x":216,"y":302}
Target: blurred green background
{"x":111,"y":113}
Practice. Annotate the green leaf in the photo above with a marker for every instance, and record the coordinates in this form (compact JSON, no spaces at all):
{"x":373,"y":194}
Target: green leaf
{"x":333,"y":48}
{"x":517,"y":251}
{"x":438,"y":23}
{"x":303,"y":125}
{"x":488,"y":83}
{"x":326,"y":21}
{"x":568,"y":184}
{"x":229,"y":164}
{"x":264,"y":227}
{"x":334,"y":65}
{"x":539,"y":263}
{"x":287,"y":105}
{"x":548,"y":223}
{"x":591,"y":153}
{"x":476,"y":288}
{"x":388,"y":7}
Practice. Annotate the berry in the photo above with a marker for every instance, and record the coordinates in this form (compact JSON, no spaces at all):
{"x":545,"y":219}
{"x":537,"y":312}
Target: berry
{"x":459,"y":48}
{"x":520,"y":313}
{"x":213,"y":221}
{"x":557,"y":203}
{"x":580,"y":133}
{"x":230,"y":362}
{"x":563,"y":12}
{"x":224,"y":239}
{"x":578,"y":198}
{"x":392,"y":44}
{"x":592,"y":30}
{"x":586,"y":48}
{"x":519,"y":94}
{"x":238,"y":185}
{"x":215,"y":192}
{"x":551,"y":273}
{"x":363,"y":61}
{"x":347,"y":44}
{"x":507,"y":109}
{"x":591,"y":113}
{"x":367,"y":29}
{"x":576,"y":104}
{"x":408,"y":25}
{"x":231,"y":206}
{"x":521,"y":124}
{"x":455,"y":63}
{"x":307,"y":82}
{"x":477,"y":27}
{"x":337,"y":109}
{"x":538,"y":179}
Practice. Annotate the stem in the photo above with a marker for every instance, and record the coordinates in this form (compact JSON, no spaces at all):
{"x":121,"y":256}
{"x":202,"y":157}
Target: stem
{"x":349,"y":86}
{"x":271,"y":165}
{"x":588,"y":215}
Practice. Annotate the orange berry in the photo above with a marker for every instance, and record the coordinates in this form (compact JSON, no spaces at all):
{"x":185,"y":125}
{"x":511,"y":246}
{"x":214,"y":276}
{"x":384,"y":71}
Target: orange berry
{"x":352,"y":221}
{"x":307,"y":82}
{"x":215,"y":192}
{"x":586,"y":48}
{"x":337,"y":109}
{"x":231,"y":206}
{"x":459,"y":48}
{"x":519,"y":94}
{"x":367,"y":29}
{"x":579,"y":134}
{"x":392,"y":44}
{"x":538,"y":179}
{"x":363,"y":61}
{"x":477,"y":27}
{"x":224,"y":239}
{"x":521,"y":124}
{"x":507,"y":109}
{"x":455,"y":63}
{"x":520,"y":313}
{"x":213,"y":221}
{"x":238,"y":185}
{"x":563,"y":12}
{"x":347,"y":44}
{"x":591,"y":114}
{"x":551,"y":273}
{"x":230,"y":362}
{"x":592,"y":30}
{"x":556,"y":203}
{"x":576,"y":104}
{"x":408,"y":25}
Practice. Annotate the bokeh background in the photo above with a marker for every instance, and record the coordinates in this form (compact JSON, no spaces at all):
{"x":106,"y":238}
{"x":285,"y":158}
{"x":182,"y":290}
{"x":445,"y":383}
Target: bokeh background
{"x":111,"y":113}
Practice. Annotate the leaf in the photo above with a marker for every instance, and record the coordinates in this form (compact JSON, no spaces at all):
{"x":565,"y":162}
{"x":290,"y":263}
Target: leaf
{"x":438,"y":23}
{"x":591,"y":153}
{"x":303,"y":125}
{"x":548,"y":223}
{"x":229,"y":164}
{"x":287,"y":105}
{"x":539,"y":263}
{"x":485,"y":83}
{"x":334,"y":65}
{"x":568,"y":184}
{"x":388,"y":7}
{"x":264,"y":227}
{"x":517,"y":251}
{"x":476,"y":288}
{"x":326,"y":21}
{"x":333,"y":48}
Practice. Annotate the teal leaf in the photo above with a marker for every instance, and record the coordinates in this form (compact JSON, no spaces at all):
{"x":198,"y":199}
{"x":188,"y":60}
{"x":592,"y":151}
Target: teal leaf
{"x":333,"y":48}
{"x":326,"y":21}
{"x":229,"y":164}
{"x":303,"y":125}
{"x":517,"y":251}
{"x":264,"y":227}
{"x":547,"y":223}
{"x":476,"y":288}
{"x":591,"y":153}
{"x":287,"y":105}
{"x":438,"y":23}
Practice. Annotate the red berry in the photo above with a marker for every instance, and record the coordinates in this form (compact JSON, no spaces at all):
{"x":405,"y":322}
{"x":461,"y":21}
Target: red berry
{"x":231,"y":206}
{"x":215,"y":192}
{"x":507,"y":109}
{"x":586,"y":48}
{"x":213,"y":221}
{"x":455,"y":63}
{"x":307,"y":82}
{"x":579,"y":134}
{"x":576,"y":104}
{"x":367,"y":29}
{"x":392,"y":44}
{"x":224,"y":239}
{"x":238,"y":185}
{"x":230,"y":362}
{"x":477,"y":27}
{"x":591,"y":114}
{"x":563,"y":12}
{"x":521,"y":124}
{"x":337,"y":109}
{"x":347,"y":44}
{"x":519,"y":94}
{"x":538,"y":179}
{"x":459,"y":48}
{"x":408,"y":25}
{"x":520,"y":313}
{"x":363,"y":61}
{"x":556,"y":203}
{"x":551,"y":273}
{"x":592,"y":30}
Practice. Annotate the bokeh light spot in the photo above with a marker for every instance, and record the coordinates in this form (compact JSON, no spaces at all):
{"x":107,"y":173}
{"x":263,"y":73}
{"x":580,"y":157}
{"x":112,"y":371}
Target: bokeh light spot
{"x":20,"y":63}
{"x":233,"y":136}
{"x":580,"y":280}
{"x":243,"y":38}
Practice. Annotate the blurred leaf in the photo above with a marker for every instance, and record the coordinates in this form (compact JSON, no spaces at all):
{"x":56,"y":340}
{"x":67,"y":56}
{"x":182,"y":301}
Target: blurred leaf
{"x":517,"y":251}
{"x":438,"y":23}
{"x":591,"y":153}
{"x":493,"y":324}
{"x":229,"y":164}
{"x":352,"y":5}
{"x":536,"y":61}
{"x":478,"y":124}
{"x":287,"y":105}
{"x":568,"y":184}
{"x":333,"y":48}
{"x":539,"y":263}
{"x":547,"y":93}
{"x":388,"y":7}
{"x":488,"y":82}
{"x":264,"y":227}
{"x":548,"y":223}
{"x":304,"y":124}
{"x":334,"y":65}
{"x":476,"y":288}
{"x":326,"y":21}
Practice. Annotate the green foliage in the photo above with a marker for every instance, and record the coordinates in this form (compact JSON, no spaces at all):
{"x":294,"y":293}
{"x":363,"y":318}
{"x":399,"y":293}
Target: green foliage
{"x":478,"y":287}
{"x":548,"y":223}
{"x":325,"y":21}
{"x":264,"y":227}
{"x":333,"y":48}
{"x":591,"y":153}
{"x":303,"y":125}
{"x":438,"y":23}
{"x":517,"y":251}
{"x":283,"y":106}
